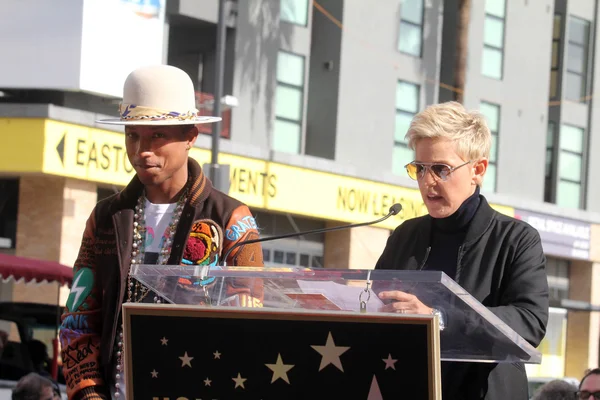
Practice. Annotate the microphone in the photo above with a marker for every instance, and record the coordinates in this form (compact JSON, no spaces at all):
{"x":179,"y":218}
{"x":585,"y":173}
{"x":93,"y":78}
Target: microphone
{"x":394,"y":209}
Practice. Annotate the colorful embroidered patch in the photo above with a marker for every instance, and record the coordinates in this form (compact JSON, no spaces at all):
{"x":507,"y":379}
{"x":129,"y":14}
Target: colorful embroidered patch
{"x":83,"y":281}
{"x":204,"y":244}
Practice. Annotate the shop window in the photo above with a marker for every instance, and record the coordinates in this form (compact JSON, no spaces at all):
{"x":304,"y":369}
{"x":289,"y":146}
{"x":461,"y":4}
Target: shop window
{"x":558,"y":280}
{"x":306,"y":251}
{"x":9,"y":206}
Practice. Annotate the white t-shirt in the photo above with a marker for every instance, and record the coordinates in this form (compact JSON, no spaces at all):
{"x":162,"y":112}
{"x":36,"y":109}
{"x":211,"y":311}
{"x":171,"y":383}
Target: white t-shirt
{"x":158,"y":218}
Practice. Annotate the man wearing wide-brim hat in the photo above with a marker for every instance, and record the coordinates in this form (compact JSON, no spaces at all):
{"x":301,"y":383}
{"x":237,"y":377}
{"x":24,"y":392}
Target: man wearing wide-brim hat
{"x":169,"y":214}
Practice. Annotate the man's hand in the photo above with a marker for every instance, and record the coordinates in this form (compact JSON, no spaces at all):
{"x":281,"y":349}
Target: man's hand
{"x":404,"y":303}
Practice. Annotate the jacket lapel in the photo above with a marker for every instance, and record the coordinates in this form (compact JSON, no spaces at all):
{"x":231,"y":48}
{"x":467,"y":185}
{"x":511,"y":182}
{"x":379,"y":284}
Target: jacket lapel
{"x":199,"y":191}
{"x":423,"y":243}
{"x":479,"y":224}
{"x":123,"y":224}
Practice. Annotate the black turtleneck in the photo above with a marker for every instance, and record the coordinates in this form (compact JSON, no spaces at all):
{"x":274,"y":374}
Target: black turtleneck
{"x":448,"y":234}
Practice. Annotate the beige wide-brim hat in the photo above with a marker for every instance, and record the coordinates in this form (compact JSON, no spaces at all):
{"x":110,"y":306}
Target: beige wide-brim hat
{"x":158,"y":95}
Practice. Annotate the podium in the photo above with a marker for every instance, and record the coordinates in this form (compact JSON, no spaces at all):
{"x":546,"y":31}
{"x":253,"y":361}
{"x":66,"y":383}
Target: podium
{"x":299,"y":333}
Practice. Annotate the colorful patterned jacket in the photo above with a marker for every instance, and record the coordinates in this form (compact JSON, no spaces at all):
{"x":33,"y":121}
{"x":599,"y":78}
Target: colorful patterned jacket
{"x":211,"y":222}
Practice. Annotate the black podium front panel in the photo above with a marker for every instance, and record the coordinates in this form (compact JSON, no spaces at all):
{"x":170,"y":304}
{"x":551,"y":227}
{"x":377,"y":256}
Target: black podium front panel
{"x":178,"y":352}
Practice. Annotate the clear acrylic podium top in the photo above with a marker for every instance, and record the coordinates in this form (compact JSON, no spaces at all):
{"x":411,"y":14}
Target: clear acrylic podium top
{"x":472,"y":332}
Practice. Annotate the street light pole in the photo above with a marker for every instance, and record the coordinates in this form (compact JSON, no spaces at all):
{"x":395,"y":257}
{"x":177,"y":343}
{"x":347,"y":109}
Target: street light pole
{"x":218,"y":91}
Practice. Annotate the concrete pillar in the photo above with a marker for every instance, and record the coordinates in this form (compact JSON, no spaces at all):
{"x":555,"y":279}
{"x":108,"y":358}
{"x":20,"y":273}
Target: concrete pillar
{"x":583,"y":328}
{"x":357,"y":248}
{"x":52,"y":215}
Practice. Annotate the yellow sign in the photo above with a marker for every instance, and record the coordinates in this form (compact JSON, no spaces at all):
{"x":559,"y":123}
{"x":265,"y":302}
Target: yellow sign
{"x":92,"y":154}
{"x":86,"y":153}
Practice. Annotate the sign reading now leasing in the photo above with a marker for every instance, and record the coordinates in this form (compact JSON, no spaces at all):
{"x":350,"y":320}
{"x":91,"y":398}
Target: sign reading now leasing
{"x":58,"y":148}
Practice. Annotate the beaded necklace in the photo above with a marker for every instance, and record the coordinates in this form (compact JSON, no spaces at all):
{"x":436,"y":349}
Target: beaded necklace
{"x":136,"y":292}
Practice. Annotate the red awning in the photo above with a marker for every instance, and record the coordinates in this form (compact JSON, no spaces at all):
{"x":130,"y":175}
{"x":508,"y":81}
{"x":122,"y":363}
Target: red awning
{"x":32,"y":270}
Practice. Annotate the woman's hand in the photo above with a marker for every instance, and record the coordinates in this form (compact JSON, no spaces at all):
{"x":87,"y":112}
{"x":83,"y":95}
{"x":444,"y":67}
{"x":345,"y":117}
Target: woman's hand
{"x":404,"y":303}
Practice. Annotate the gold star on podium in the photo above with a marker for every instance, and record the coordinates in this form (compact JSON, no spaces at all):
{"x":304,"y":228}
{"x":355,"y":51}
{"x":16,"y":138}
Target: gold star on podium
{"x":186,"y":360}
{"x":389,"y":362}
{"x":331,"y":353}
{"x":280,"y":369}
{"x":374,"y":391}
{"x":239,"y":381}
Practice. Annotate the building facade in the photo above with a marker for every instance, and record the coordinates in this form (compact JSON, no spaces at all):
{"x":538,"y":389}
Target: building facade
{"x":325,"y":91}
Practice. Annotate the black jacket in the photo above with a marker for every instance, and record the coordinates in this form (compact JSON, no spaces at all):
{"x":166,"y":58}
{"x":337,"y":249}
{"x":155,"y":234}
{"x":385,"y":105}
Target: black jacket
{"x":502,"y":264}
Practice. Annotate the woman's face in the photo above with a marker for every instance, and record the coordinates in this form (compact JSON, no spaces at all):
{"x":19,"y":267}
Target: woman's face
{"x":437,"y":159}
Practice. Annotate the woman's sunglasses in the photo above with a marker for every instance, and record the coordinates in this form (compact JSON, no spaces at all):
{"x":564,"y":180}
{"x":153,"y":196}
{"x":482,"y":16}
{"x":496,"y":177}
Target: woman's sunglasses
{"x":417,"y":170}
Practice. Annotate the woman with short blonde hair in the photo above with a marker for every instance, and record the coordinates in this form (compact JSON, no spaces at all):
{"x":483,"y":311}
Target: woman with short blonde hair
{"x":498,"y":259}
{"x":467,"y":129}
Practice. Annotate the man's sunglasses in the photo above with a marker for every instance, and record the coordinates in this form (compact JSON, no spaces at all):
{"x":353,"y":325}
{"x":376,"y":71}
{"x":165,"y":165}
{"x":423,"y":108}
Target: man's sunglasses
{"x":417,"y":170}
{"x":584,"y":394}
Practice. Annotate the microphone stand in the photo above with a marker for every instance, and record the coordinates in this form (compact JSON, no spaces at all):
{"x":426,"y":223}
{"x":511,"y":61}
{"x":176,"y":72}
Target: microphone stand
{"x":395,"y":209}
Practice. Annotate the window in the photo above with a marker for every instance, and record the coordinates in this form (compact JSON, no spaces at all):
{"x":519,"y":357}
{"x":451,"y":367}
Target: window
{"x":557,"y":271}
{"x":577,"y":59}
{"x":570,"y":166}
{"x":306,"y":258}
{"x":410,"y":32}
{"x":493,"y":39}
{"x":289,"y":103}
{"x":554,"y":68}
{"x":294,"y":11}
{"x":306,"y":251}
{"x":407,"y":105}
{"x":549,"y":175}
{"x":9,"y":206}
{"x":492,"y":114}
{"x":15,"y":354}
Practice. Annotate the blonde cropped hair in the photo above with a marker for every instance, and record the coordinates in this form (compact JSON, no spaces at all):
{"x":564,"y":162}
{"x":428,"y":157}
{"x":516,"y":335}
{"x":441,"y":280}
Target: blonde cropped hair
{"x":467,"y":129}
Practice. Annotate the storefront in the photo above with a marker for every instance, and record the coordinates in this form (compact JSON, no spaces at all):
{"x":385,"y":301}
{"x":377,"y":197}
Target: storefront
{"x":571,"y":342}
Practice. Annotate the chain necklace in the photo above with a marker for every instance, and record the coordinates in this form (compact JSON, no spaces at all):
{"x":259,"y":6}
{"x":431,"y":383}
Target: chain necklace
{"x":136,"y":292}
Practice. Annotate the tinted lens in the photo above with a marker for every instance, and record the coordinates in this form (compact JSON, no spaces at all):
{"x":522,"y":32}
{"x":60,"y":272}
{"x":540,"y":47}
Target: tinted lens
{"x":413,"y":170}
{"x":440,"y":170}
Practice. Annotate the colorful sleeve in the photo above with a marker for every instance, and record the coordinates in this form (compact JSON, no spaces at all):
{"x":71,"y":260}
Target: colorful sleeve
{"x":81,"y":325}
{"x":240,"y":227}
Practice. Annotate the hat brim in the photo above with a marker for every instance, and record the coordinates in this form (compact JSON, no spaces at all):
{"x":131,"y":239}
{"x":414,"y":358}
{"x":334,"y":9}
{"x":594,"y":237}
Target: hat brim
{"x":163,"y":122}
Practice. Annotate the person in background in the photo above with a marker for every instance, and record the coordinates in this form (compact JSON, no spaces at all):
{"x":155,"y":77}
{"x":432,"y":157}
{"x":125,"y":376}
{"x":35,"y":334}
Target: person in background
{"x":556,"y":390}
{"x":35,"y":387}
{"x":589,"y":388}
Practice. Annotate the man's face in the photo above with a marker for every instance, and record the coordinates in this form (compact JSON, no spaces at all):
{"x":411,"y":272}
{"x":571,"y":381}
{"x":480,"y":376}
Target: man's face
{"x":591,"y":384}
{"x":158,"y":152}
